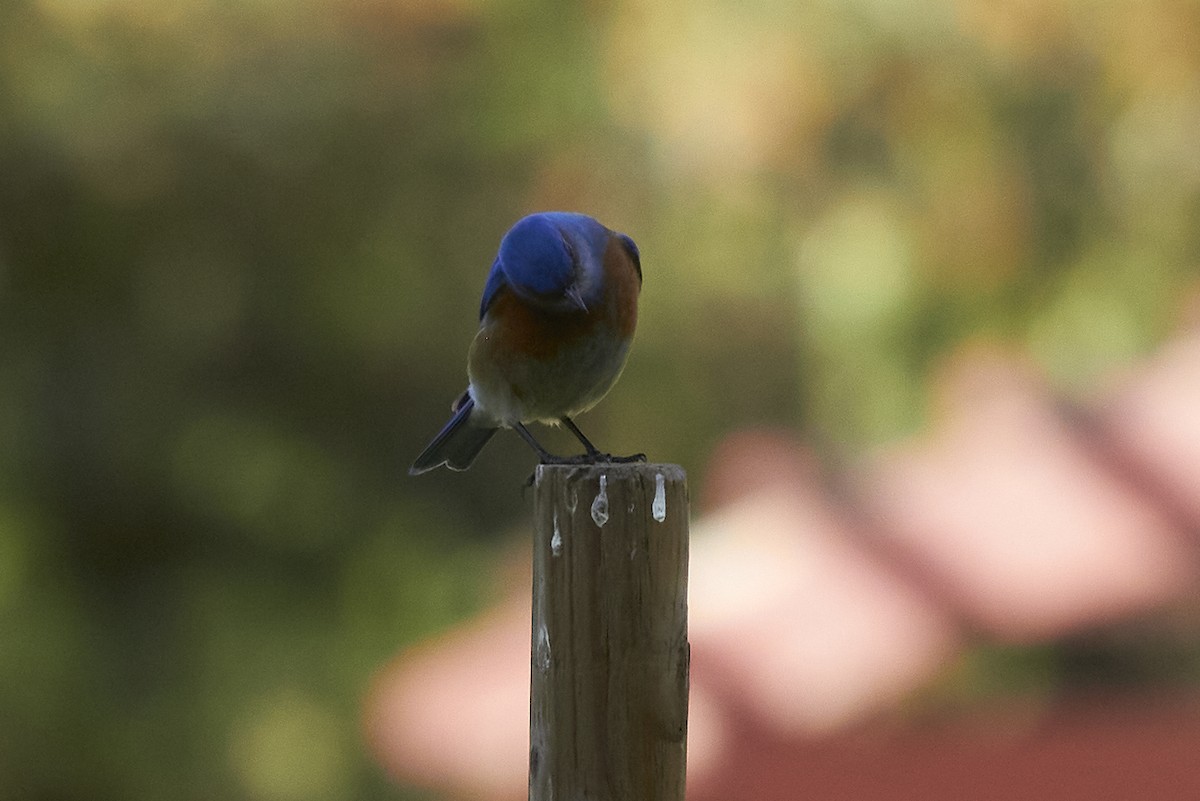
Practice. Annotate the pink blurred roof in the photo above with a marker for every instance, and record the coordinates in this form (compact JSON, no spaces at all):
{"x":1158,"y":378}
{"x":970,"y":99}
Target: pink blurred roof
{"x":816,"y":614}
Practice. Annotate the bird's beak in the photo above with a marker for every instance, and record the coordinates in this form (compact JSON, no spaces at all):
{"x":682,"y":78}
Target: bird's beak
{"x":576,"y":298}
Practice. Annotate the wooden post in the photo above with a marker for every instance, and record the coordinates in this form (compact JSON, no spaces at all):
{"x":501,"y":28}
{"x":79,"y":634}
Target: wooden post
{"x":609,"y":686}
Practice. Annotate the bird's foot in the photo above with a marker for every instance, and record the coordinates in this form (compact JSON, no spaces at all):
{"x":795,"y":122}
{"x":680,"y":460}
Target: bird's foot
{"x":583,"y":458}
{"x":596,"y":457}
{"x":608,"y":457}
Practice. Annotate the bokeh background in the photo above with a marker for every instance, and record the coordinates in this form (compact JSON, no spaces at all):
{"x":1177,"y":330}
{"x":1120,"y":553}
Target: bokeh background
{"x":241,"y":246}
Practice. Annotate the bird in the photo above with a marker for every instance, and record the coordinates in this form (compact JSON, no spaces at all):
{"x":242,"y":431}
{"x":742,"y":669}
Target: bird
{"x":556,"y":320}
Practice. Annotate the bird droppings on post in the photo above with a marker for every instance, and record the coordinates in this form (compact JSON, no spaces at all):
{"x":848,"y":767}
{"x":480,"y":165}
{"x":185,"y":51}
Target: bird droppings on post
{"x":543,"y":649}
{"x":659,"y":507}
{"x":556,"y":540}
{"x":600,"y":505}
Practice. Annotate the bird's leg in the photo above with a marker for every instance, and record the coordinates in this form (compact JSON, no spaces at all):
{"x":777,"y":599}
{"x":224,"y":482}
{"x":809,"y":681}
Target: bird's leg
{"x":545,"y":456}
{"x":593,"y":454}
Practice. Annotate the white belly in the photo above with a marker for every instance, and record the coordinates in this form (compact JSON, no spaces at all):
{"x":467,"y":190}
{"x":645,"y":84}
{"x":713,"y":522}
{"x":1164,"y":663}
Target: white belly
{"x":527,"y":391}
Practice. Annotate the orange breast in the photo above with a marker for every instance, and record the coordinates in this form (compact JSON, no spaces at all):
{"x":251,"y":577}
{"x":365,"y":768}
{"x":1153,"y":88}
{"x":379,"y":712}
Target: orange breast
{"x":521,"y":329}
{"x":623,"y":282}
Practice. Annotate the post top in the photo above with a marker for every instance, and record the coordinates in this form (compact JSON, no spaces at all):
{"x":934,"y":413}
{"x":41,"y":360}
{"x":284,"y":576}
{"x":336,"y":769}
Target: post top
{"x":614,"y":471}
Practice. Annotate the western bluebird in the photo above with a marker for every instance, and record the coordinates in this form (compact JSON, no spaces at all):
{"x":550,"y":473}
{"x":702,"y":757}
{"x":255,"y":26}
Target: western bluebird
{"x":555,"y":323}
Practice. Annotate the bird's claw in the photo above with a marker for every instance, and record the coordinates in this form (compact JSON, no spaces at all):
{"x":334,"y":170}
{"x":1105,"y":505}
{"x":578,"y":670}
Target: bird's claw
{"x":583,"y":458}
{"x":593,"y":458}
{"x":636,"y":457}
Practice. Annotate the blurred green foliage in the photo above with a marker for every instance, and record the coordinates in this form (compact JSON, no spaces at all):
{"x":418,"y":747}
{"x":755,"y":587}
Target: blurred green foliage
{"x":240,"y":252}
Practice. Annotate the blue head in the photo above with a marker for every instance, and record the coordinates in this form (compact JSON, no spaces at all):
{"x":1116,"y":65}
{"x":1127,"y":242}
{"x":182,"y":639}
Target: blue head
{"x":554,"y":259}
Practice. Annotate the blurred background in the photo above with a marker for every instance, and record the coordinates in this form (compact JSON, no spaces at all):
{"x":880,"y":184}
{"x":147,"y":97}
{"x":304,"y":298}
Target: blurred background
{"x":241,"y":249}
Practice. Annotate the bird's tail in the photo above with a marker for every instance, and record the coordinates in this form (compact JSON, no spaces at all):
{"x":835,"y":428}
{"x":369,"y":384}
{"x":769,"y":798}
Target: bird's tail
{"x":457,"y":444}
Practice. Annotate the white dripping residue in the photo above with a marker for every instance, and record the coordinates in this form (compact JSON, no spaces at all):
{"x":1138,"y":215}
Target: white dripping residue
{"x":556,"y":540}
{"x":542,"y":651}
{"x":659,"y":507}
{"x":600,"y":505}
